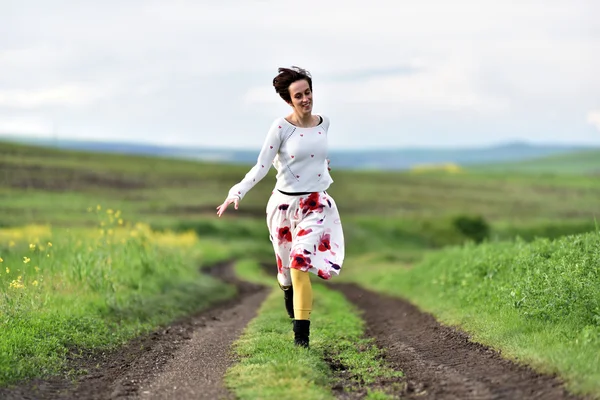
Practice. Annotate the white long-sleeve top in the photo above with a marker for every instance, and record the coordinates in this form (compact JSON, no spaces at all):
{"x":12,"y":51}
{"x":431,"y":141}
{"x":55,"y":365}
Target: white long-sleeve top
{"x":298,"y":154}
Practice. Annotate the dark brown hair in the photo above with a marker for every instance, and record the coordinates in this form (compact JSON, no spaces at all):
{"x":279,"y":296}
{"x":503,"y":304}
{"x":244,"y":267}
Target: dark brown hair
{"x":286,"y":77}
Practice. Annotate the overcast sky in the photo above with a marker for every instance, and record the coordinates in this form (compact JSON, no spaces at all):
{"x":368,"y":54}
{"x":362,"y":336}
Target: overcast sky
{"x":389,"y":73}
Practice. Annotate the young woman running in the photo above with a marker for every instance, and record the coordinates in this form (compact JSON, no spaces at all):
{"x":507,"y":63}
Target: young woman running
{"x":302,"y":218}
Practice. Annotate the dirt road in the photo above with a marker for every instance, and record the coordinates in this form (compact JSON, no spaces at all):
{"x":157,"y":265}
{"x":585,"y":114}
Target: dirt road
{"x":188,"y":359}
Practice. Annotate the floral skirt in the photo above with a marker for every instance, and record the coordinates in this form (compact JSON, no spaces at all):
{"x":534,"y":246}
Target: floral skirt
{"x":306,"y":233}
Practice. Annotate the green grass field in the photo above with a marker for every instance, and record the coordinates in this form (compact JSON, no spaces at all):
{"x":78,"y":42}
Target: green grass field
{"x":482,"y":248}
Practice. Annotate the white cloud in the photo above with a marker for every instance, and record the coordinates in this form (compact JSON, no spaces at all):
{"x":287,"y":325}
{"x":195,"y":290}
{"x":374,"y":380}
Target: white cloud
{"x":25,"y":125}
{"x":593,"y":118}
{"x":438,"y":86}
{"x":201,"y":71}
{"x":68,"y":95}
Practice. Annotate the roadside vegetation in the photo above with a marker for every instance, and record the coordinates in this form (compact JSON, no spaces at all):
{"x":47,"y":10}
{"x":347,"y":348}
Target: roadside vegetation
{"x":63,"y":290}
{"x":537,"y":302}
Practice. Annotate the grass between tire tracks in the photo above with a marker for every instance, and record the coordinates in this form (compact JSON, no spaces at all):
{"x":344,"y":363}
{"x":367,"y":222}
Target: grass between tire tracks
{"x":536,"y":302}
{"x":64,"y":291}
{"x":271,"y":366}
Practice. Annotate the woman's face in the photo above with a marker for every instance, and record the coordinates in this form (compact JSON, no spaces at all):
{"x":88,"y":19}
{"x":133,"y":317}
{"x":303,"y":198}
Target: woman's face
{"x":301,"y":96}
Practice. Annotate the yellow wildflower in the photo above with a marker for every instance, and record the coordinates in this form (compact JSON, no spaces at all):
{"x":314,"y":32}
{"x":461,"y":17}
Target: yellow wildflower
{"x":1,"y":260}
{"x":98,"y":207}
{"x":120,"y":221}
{"x":34,"y":283}
{"x":26,"y":260}
{"x":32,"y":246}
{"x":118,"y":214}
{"x":37,"y":269}
{"x":109,"y":211}
{"x":49,"y":244}
{"x":17,"y":283}
{"x":7,"y":270}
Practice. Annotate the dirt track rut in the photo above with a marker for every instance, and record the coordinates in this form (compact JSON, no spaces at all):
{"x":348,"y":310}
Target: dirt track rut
{"x":441,"y":362}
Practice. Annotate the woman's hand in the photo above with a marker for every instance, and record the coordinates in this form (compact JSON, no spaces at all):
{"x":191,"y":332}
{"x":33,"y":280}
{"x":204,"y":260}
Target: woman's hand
{"x":221,"y":209}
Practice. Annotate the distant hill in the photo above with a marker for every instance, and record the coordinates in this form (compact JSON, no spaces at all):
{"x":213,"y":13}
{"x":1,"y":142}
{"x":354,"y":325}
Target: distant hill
{"x":384,"y":159}
{"x":580,"y":162}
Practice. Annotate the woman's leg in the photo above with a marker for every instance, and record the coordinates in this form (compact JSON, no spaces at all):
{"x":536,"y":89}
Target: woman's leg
{"x":277,"y":222}
{"x":303,"y":295}
{"x":303,"y":298}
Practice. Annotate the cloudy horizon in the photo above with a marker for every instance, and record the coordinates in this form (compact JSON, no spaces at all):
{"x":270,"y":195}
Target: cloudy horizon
{"x":388,"y":74}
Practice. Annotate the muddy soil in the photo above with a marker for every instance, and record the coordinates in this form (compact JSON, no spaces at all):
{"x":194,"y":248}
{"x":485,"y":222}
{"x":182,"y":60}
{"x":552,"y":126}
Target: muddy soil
{"x":441,"y":362}
{"x":186,"y":360}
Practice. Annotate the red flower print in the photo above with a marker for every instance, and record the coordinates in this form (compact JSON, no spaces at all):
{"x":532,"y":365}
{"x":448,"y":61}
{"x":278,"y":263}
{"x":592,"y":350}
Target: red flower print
{"x":284,"y":206}
{"x":324,"y":275}
{"x":300,"y":261}
{"x":324,"y":243}
{"x":285,"y":235}
{"x":304,"y":232}
{"x":311,"y":203}
{"x":279,"y":265}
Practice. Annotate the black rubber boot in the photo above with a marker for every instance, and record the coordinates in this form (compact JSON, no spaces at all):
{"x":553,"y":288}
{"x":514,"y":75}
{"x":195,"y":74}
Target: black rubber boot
{"x":301,"y":332}
{"x":288,"y":297}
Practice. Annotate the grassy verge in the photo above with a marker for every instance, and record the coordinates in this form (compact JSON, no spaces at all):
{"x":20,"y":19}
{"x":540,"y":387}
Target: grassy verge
{"x":62,"y":290}
{"x":272,"y":367}
{"x":538,"y":302}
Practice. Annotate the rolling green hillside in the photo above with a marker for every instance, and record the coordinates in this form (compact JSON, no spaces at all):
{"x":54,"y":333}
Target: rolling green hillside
{"x":584,"y":162}
{"x":380,"y":209}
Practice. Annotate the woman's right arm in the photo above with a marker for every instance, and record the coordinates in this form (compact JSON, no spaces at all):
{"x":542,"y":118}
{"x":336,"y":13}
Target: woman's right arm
{"x":264,"y":161}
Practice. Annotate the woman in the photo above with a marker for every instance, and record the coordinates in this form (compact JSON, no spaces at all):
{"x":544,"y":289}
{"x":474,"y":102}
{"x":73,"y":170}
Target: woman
{"x":303,"y":220}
